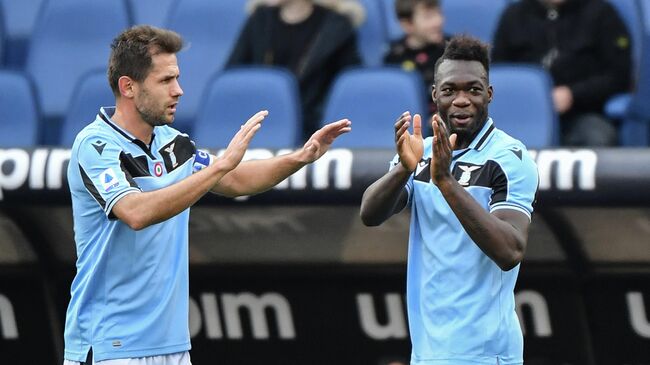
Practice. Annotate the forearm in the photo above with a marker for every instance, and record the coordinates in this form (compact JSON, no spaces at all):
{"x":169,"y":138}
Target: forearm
{"x":256,"y":176}
{"x":384,"y":197}
{"x":141,"y":210}
{"x":498,"y":239}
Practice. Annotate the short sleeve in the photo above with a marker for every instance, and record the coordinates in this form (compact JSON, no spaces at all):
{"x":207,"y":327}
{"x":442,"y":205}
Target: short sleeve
{"x":102,"y":172}
{"x":515,"y":186}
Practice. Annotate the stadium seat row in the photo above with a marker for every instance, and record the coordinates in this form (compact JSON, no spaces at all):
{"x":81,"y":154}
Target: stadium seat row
{"x":475,"y":17}
{"x":21,"y":19}
{"x":364,"y":95}
{"x":55,"y":42}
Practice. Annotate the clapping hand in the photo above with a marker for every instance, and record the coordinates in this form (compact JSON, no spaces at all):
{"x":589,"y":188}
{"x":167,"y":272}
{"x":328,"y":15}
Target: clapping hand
{"x":322,"y":139}
{"x":410,"y":147}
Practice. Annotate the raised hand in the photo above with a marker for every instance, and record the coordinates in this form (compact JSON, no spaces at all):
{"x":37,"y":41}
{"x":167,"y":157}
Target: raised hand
{"x":322,"y":139}
{"x":239,"y":143}
{"x":409,"y":147}
{"x":441,"y":149}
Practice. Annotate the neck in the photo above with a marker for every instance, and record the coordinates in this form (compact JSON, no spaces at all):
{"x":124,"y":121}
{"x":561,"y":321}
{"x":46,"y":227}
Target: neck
{"x":296,"y":11}
{"x":464,"y":140}
{"x":130,"y":121}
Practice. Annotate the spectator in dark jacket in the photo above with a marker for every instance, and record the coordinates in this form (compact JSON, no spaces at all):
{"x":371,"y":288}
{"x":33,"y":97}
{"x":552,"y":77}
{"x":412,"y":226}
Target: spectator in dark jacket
{"x":313,"y":41}
{"x":585,"y":46}
{"x":423,"y":42}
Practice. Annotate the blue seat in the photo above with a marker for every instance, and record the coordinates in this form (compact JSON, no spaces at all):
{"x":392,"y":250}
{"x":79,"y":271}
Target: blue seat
{"x":236,"y":94}
{"x":373,"y":98}
{"x":91,"y":93}
{"x":522,"y":105}
{"x":2,"y":38}
{"x":19,"y":118}
{"x":478,"y":18}
{"x":373,"y":39}
{"x":635,"y":123}
{"x":152,"y":12}
{"x":393,"y":29}
{"x":19,"y":20}
{"x":210,"y":29}
{"x":630,"y":108}
{"x":644,"y":6}
{"x":71,"y":38}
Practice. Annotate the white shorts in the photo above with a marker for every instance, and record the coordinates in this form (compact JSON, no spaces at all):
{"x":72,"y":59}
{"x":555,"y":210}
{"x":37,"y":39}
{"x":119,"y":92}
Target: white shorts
{"x":179,"y":358}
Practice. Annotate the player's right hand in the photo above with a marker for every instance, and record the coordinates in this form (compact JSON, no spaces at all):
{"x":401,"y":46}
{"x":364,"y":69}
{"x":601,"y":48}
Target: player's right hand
{"x":236,"y":149}
{"x":410,"y":147}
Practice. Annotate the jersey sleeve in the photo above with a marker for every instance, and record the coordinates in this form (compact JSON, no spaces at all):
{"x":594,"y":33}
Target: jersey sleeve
{"x":103,"y":173}
{"x":516,"y":187}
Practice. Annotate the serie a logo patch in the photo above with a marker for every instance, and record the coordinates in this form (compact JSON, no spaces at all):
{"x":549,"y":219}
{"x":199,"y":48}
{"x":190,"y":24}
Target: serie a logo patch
{"x":109,"y":180}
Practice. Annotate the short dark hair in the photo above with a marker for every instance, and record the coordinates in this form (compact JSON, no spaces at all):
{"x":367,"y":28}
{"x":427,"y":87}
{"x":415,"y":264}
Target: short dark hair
{"x":404,"y":8}
{"x":131,"y":52}
{"x":465,"y":48}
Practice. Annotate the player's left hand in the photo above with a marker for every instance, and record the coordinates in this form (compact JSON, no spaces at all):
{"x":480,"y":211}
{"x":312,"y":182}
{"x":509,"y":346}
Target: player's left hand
{"x":322,"y":139}
{"x":441,"y":150}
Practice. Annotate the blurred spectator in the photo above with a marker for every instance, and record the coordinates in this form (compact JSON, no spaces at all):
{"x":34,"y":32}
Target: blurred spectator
{"x":315,"y":40}
{"x":585,"y":46}
{"x":423,"y":42}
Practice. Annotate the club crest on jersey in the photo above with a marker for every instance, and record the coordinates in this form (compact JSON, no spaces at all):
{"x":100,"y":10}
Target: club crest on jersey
{"x":176,"y":152}
{"x":466,"y":176}
{"x":172,"y":156}
{"x":109,"y":180}
{"x":158,"y":169}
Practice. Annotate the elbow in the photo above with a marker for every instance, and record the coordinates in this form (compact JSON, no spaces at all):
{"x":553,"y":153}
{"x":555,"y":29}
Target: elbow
{"x":368,"y":218}
{"x":136,"y":214}
{"x":135,"y":221}
{"x":510,"y":261}
{"x":369,"y":221}
{"x":368,"y":214}
{"x":507,"y":266}
{"x":136,"y":224}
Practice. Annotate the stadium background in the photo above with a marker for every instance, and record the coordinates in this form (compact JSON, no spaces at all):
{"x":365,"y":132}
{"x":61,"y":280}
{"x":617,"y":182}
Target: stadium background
{"x":292,"y":276}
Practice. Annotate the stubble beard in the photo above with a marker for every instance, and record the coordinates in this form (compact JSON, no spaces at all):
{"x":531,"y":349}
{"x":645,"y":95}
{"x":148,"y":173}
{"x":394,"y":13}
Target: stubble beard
{"x":151,"y":119}
{"x":149,"y":116}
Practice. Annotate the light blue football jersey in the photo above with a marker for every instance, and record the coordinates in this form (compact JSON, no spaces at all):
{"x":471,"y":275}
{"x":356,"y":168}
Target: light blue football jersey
{"x":130,"y":295}
{"x":461,"y":305}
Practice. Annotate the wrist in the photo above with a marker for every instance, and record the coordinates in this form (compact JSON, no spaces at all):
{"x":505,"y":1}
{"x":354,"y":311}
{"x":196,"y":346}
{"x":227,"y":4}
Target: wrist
{"x":402,"y":170}
{"x":300,"y":157}
{"x":220,"y":165}
{"x":407,"y":168}
{"x":444,"y":182}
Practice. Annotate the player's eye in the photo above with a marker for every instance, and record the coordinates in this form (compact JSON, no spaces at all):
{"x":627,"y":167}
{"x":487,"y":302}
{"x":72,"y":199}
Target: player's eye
{"x":446,"y":91}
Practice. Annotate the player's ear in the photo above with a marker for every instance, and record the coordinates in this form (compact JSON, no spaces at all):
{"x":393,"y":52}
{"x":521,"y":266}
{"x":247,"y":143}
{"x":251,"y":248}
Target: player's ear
{"x":490,"y":92}
{"x":126,"y":85}
{"x":433,"y":92}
